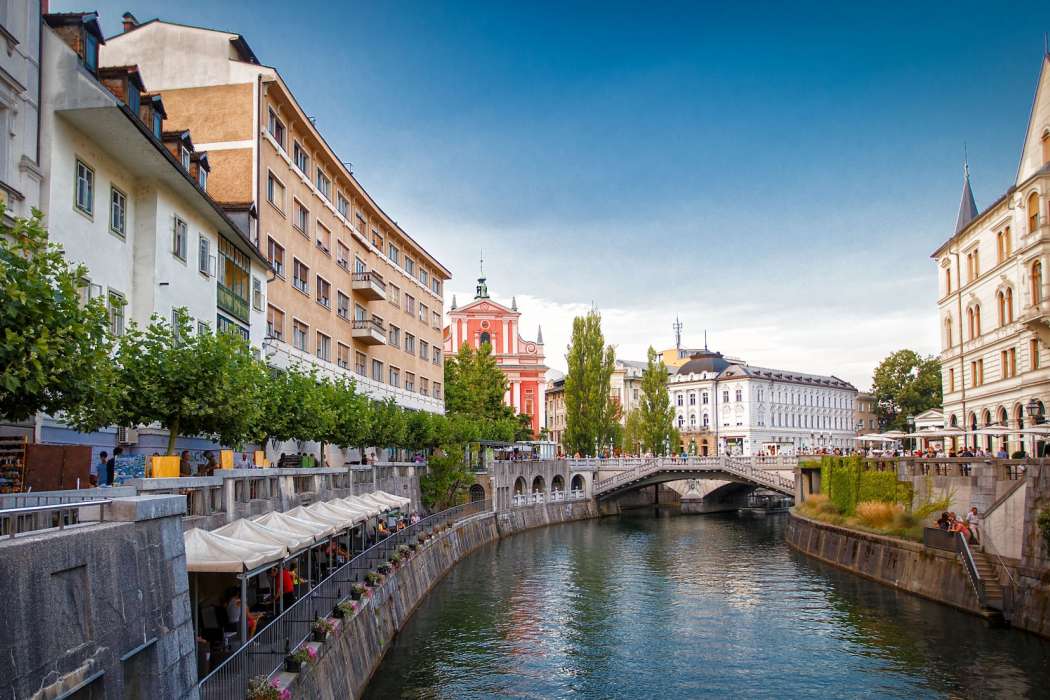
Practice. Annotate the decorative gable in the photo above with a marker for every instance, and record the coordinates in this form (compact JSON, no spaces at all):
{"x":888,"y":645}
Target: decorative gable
{"x":1036,"y":150}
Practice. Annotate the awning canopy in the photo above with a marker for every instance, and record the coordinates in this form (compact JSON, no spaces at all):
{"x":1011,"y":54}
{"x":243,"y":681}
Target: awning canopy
{"x":251,"y":531}
{"x":368,"y":505}
{"x":371,"y":499}
{"x":398,"y":501}
{"x":330,"y":519}
{"x":285,"y":522}
{"x":351,"y":516}
{"x":208,"y":552}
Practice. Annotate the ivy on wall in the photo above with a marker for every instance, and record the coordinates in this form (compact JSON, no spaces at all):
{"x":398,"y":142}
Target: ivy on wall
{"x":846,"y":483}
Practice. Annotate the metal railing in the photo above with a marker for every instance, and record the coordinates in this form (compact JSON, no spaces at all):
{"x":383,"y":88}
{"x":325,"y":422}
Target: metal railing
{"x":963,"y":548}
{"x":723,"y":463}
{"x":529,"y":499}
{"x":14,"y":521}
{"x":264,"y":653}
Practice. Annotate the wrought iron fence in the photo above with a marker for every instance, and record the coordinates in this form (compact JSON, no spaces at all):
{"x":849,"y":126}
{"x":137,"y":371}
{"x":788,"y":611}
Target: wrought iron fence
{"x":264,"y":653}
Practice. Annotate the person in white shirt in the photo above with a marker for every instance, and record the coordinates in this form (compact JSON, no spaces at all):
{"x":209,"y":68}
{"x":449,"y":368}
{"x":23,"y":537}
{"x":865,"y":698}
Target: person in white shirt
{"x":973,"y":520}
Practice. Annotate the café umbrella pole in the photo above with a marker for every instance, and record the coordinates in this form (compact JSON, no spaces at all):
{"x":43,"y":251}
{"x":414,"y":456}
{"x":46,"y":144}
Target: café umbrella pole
{"x":244,"y":609}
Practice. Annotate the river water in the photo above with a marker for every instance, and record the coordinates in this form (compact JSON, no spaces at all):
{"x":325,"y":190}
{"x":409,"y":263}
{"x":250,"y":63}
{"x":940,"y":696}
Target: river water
{"x":685,"y":607}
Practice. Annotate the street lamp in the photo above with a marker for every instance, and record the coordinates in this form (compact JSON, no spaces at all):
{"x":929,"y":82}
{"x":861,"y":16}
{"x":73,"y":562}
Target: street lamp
{"x":911,"y":429}
{"x":1034,"y":416}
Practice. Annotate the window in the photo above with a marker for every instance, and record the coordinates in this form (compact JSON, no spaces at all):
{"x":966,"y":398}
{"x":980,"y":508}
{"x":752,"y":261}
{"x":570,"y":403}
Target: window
{"x":1008,"y":362}
{"x":359,"y":363}
{"x":324,"y":292}
{"x":948,"y":332}
{"x":300,"y":276}
{"x":203,"y":255}
{"x":179,"y":237}
{"x":158,"y":124}
{"x":1033,"y":212}
{"x":437,"y":357}
{"x":393,"y":254}
{"x":423,"y":312}
{"x":276,"y":129}
{"x":274,"y":323}
{"x":435,"y":284}
{"x":410,"y":305}
{"x":275,"y":254}
{"x":976,"y":373}
{"x":377,"y":370}
{"x":1046,"y":147}
{"x":184,"y":158}
{"x":233,"y":288}
{"x":703,"y":398}
{"x":973,"y":265}
{"x":393,"y":295}
{"x":257,"y":294}
{"x":301,"y":217}
{"x":1003,"y":244}
{"x":377,"y":240}
{"x":393,"y":336}
{"x":1033,"y":353}
{"x":437,"y":390}
{"x":115,"y":306}
{"x":324,"y":347}
{"x":739,"y":395}
{"x":973,"y":320}
{"x":725,"y":397}
{"x":435,"y":321}
{"x":324,"y":185}
{"x":202,"y":178}
{"x":679,"y":399}
{"x":299,"y":333}
{"x":1037,"y":282}
{"x":118,"y":212}
{"x":275,"y":191}
{"x":359,"y":313}
{"x":343,"y":305}
{"x":91,"y":51}
{"x":1005,"y":300}
{"x":410,"y":344}
{"x":301,"y":160}
{"x":424,"y":389}
{"x":410,"y":381}
{"x":85,"y":195}
{"x":324,"y":238}
{"x":359,"y":265}
{"x":343,"y":206}
{"x":947,"y":280}
{"x":424,"y":350}
{"x":692,"y":399}
{"x":410,"y":266}
{"x":202,"y":328}
{"x":424,"y":277}
{"x":343,"y":356}
{"x":342,"y":255}
{"x":395,"y":377}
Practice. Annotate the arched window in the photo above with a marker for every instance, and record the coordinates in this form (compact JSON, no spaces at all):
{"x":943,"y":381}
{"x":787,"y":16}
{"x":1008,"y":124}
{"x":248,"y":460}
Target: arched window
{"x":973,"y":320}
{"x":485,"y":338}
{"x":1033,"y":212}
{"x":969,"y":322}
{"x":1009,"y":304}
{"x":948,"y":332}
{"x":1037,"y":282}
{"x":1004,"y":300}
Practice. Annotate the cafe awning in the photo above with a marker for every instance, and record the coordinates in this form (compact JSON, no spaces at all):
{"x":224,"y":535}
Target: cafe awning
{"x":350,"y":517}
{"x":371,"y":499}
{"x":368,"y":505}
{"x":208,"y":552}
{"x":398,"y":501}
{"x":251,"y":531}
{"x":336,"y":522}
{"x":287,"y":523}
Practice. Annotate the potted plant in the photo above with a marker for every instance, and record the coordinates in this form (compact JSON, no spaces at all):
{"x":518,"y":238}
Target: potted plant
{"x":384,"y":568}
{"x":395,"y":559}
{"x":321,"y":629}
{"x":263,"y":688}
{"x":293,"y":663}
{"x":403,"y":550}
{"x":357,"y":591}
{"x":373,"y":578}
{"x":345,"y":609}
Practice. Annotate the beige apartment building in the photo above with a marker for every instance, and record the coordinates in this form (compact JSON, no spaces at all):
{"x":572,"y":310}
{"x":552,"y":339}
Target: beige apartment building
{"x":353,"y":294}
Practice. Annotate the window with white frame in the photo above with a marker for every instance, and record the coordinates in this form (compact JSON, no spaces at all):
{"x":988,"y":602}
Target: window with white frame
{"x":85,"y":188}
{"x":257,"y":294}
{"x":203,"y":254}
{"x":275,"y":191}
{"x":301,"y":159}
{"x":276,"y":128}
{"x":299,"y":333}
{"x":324,"y":292}
{"x":324,"y":347}
{"x":115,"y":303}
{"x":179,"y":238}
{"x":343,"y":206}
{"x":301,"y":217}
{"x":395,"y":377}
{"x":393,"y":336}
{"x":275,"y":254}
{"x":342,"y":305}
{"x":394,"y":254}
{"x":377,"y":370}
{"x":324,"y":185}
{"x":118,"y":212}
{"x":410,"y":266}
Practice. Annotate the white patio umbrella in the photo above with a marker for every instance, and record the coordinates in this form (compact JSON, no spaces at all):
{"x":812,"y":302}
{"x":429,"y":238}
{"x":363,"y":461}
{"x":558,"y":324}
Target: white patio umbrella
{"x":874,"y":437}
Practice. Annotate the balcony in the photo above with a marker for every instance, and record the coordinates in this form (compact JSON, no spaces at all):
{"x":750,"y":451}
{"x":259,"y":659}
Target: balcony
{"x":1036,"y":318}
{"x":369,"y":284}
{"x":370,"y":331}
{"x":231,"y":303}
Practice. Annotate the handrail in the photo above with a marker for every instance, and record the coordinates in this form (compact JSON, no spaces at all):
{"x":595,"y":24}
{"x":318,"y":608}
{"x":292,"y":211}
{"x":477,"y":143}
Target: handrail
{"x":724,"y":463}
{"x":11,"y":514}
{"x":963,"y":549}
{"x":264,"y":653}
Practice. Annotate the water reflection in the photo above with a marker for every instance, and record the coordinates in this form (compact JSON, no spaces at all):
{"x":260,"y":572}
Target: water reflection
{"x":689,"y":607}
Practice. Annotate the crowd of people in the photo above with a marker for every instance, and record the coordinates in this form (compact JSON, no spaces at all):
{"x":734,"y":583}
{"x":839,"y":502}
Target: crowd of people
{"x":969,"y":525}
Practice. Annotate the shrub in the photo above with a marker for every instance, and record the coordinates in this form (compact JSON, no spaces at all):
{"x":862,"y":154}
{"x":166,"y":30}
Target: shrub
{"x":347,"y":607}
{"x":828,"y":508}
{"x":263,"y":688}
{"x":877,"y":514}
{"x":322,"y":625}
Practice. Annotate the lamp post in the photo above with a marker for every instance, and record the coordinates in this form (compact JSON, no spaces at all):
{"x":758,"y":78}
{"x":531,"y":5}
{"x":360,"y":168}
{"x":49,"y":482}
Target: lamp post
{"x":1032,"y":409}
{"x":911,"y":429}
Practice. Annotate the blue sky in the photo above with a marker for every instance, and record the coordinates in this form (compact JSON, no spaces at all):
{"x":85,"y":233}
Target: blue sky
{"x":777,"y":174}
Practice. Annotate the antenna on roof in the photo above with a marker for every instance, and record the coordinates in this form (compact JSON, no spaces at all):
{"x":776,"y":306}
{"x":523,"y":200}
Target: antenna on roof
{"x":705,"y":340}
{"x":677,"y":325}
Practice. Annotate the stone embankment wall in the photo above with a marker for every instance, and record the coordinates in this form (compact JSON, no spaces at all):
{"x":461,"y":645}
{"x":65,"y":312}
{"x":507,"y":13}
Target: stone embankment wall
{"x":349,"y":658}
{"x":909,"y":566}
{"x":101,"y":608}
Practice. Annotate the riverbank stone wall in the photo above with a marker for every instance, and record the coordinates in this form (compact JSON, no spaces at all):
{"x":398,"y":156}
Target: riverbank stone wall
{"x":347,"y":660}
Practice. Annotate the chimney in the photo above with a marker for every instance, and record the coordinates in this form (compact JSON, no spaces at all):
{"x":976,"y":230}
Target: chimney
{"x":129,"y":21}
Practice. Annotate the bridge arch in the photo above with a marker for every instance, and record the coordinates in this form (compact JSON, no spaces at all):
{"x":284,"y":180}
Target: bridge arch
{"x":539,"y":484}
{"x":578,"y":482}
{"x":557,"y":483}
{"x":477,"y":493}
{"x":519,"y":486}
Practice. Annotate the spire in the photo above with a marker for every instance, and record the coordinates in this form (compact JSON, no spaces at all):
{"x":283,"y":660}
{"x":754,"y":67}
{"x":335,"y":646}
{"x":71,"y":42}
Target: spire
{"x":967,"y":206}
{"x":453,"y":302}
{"x":482,"y":289}
{"x":539,"y":335}
{"x":514,"y":303}
{"x":677,"y":325}
{"x":705,"y":340}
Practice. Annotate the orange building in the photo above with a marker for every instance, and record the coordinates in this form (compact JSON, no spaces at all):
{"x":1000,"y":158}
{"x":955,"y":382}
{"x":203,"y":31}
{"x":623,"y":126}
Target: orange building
{"x":486,"y":321}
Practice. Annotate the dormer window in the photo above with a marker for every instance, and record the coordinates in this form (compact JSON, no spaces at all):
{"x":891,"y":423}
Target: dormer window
{"x":91,"y":51}
{"x":134,"y":98}
{"x":158,"y":124}
{"x":185,"y":156}
{"x":202,"y":178}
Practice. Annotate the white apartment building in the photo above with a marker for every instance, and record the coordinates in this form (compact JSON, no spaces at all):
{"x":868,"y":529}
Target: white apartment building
{"x":129,"y":200}
{"x":993,"y":298}
{"x":730,"y":407}
{"x":20,"y":168}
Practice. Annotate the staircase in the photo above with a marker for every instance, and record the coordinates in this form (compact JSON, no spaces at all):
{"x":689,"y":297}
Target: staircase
{"x":993,"y":591}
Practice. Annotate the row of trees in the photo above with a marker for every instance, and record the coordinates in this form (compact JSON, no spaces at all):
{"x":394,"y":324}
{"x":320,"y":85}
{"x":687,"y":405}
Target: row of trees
{"x":905,"y":384}
{"x":593,"y":413}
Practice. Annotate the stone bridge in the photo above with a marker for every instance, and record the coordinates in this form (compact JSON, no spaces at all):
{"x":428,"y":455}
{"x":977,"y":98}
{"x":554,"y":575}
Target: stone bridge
{"x":659,"y":470}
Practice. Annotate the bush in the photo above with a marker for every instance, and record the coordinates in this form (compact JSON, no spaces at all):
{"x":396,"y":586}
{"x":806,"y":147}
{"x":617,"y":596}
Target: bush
{"x":828,"y":508}
{"x":877,"y":514}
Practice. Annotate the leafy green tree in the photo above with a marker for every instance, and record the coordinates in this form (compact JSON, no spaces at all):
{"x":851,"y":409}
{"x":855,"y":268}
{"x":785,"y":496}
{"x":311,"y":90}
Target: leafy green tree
{"x":387,"y":424}
{"x":474,"y":384}
{"x":590,"y":411}
{"x":905,"y":384}
{"x":296,"y":405}
{"x":447,"y":479}
{"x":632,"y":433}
{"x":419,"y":430}
{"x":523,"y":429}
{"x":192,"y":384}
{"x":55,"y":354}
{"x":657,"y":413}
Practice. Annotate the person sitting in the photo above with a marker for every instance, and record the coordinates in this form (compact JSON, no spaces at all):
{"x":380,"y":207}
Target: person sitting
{"x":381,"y":530}
{"x":943,"y":523}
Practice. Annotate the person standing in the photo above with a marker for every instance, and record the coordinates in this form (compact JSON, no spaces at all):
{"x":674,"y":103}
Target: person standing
{"x":111,"y":465}
{"x":98,"y":470}
{"x":974,"y":521}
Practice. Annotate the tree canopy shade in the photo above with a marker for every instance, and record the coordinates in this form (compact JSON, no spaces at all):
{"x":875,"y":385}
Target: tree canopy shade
{"x":591,"y":413}
{"x":656,"y":411}
{"x":192,"y":384}
{"x":54,"y":348}
{"x":905,"y":384}
{"x":474,"y":384}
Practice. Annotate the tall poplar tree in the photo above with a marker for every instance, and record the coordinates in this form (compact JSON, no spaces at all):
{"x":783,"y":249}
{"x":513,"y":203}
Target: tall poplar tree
{"x":591,"y":413}
{"x":657,"y":413}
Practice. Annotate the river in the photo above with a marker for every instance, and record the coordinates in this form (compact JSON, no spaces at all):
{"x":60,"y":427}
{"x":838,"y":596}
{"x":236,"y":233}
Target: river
{"x":685,"y":607}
